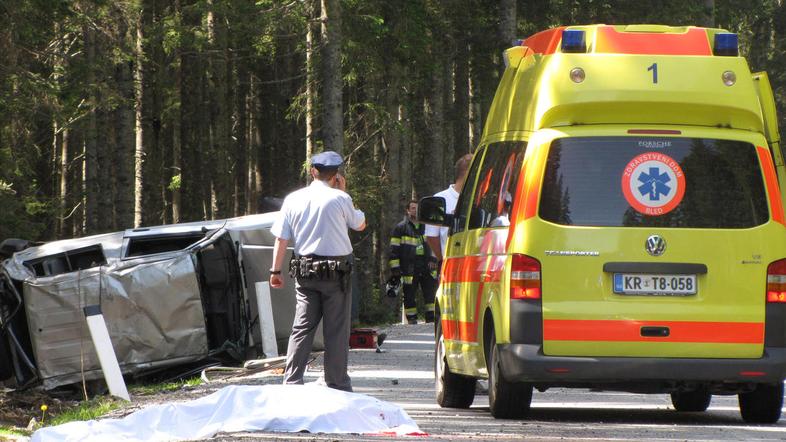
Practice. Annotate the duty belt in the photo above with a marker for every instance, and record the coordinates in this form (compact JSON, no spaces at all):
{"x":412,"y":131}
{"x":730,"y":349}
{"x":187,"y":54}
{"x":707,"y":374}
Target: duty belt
{"x":320,"y":267}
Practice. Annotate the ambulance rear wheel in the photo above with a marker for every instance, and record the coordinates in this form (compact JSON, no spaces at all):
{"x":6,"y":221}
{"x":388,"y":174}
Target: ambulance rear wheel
{"x":453,"y":391}
{"x":762,"y":405}
{"x":697,"y":400}
{"x":507,"y":400}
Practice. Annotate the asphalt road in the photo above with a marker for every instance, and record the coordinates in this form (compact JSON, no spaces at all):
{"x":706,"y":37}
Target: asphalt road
{"x":402,"y":374}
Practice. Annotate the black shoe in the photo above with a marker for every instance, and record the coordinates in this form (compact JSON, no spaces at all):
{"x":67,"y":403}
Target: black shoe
{"x":429,"y":317}
{"x":412,"y":321}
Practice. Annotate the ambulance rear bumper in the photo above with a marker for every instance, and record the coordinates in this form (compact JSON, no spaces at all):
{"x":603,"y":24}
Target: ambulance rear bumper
{"x":527,"y":363}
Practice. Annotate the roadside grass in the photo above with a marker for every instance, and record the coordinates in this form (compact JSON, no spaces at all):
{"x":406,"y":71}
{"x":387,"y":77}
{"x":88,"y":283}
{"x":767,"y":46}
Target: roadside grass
{"x":11,"y":433}
{"x":148,"y":389}
{"x":85,"y":410}
{"x":94,"y":408}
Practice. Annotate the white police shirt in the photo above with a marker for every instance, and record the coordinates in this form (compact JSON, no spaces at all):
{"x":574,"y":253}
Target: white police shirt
{"x":451,"y":199}
{"x":316,"y":217}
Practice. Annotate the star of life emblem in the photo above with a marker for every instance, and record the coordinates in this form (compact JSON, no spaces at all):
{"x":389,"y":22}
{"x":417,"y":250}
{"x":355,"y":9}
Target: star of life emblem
{"x":653,"y":183}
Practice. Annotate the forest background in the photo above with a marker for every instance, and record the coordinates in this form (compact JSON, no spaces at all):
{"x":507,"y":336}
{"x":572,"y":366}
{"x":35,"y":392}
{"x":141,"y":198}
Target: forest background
{"x":126,"y":113}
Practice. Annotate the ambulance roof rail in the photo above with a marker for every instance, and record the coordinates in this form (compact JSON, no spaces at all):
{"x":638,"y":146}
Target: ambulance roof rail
{"x":633,"y":39}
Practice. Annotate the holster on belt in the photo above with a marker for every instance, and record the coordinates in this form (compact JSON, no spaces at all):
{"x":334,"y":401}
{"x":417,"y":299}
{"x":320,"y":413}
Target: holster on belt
{"x":320,"y":268}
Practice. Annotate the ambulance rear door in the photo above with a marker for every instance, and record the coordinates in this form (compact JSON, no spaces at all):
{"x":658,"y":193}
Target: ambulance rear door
{"x":657,"y":245}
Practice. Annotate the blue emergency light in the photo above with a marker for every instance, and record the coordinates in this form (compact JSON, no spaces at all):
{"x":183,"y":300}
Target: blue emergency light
{"x":573,"y":41}
{"x":726,"y":44}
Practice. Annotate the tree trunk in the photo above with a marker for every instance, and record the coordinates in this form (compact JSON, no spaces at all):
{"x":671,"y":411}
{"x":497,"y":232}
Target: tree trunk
{"x":333,"y":116}
{"x":310,"y":89}
{"x":123,"y":157}
{"x":240,"y":166}
{"x":177,"y":173}
{"x":506,"y":29}
{"x":140,"y":110}
{"x":90,"y":172}
{"x":461,"y":137}
{"x":75,"y":142}
{"x":219,"y":114}
{"x":62,"y":221}
{"x":433,"y":175}
{"x":709,"y":14}
{"x":254,"y":140}
{"x":395,"y":196}
{"x":105,"y":147}
{"x":191,"y":131}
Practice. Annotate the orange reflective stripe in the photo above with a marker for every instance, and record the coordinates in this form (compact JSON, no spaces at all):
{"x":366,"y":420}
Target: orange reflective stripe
{"x":467,"y":331}
{"x":630,"y":331}
{"x":463,"y":269}
{"x":545,"y":42}
{"x":773,"y":190}
{"x":470,"y":269}
{"x":693,"y":42}
{"x":449,"y":329}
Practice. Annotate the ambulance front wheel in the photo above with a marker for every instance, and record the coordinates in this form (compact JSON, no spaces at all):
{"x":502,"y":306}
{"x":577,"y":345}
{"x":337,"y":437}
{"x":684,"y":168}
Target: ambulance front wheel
{"x":453,"y":391}
{"x":507,"y":400}
{"x":762,"y":405}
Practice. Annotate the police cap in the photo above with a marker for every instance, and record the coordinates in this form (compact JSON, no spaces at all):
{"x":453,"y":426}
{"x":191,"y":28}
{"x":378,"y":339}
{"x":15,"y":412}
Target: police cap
{"x":327,"y":160}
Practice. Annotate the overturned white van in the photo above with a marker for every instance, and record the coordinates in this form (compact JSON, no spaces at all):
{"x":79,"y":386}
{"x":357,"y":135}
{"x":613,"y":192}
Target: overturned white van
{"x":171,"y":295}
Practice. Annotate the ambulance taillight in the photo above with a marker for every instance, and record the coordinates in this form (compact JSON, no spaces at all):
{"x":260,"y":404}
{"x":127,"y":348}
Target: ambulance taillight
{"x":524,"y":277}
{"x":776,"y":281}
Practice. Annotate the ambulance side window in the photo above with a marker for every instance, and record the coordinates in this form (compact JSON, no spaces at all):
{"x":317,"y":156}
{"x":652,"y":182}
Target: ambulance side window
{"x":497,"y":180}
{"x":465,"y":198}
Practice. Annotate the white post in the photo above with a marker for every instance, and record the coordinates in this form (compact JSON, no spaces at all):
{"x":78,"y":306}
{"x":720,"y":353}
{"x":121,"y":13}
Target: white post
{"x":266,"y":325}
{"x":105,"y":351}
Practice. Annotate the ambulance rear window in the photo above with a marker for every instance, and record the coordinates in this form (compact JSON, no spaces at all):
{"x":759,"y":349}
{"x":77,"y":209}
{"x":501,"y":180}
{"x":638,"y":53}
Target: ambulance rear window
{"x":653,"y":182}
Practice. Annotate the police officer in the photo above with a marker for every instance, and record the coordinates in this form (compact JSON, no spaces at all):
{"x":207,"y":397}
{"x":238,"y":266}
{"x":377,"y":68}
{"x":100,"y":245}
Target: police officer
{"x":316,"y":219}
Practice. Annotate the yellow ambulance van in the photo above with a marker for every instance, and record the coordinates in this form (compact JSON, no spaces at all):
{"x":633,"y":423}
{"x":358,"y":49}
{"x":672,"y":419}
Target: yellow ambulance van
{"x":621,"y":227}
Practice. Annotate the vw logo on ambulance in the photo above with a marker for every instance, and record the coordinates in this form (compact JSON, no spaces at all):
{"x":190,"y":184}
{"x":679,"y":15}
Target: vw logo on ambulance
{"x":655,"y":245}
{"x":653,"y":183}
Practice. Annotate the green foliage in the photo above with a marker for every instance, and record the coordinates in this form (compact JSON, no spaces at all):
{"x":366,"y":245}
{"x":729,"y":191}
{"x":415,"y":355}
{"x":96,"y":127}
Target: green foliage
{"x":149,"y":389}
{"x":174,"y":182}
{"x":86,"y":410}
{"x":15,"y":432}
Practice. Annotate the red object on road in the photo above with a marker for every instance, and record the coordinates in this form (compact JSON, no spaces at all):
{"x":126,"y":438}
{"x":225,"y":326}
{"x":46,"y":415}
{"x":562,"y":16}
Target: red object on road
{"x":363,"y":338}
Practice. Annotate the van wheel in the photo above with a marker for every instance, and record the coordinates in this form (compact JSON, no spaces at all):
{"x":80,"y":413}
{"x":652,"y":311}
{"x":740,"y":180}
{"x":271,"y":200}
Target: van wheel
{"x":696,"y":400}
{"x":507,"y":400}
{"x":453,"y":390}
{"x":762,"y":405}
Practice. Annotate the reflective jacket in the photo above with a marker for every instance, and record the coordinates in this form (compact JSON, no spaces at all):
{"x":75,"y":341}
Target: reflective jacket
{"x":409,"y":252}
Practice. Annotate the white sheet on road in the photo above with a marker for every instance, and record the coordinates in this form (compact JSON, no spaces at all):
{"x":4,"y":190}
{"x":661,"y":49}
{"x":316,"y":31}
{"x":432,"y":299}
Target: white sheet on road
{"x":279,"y":408}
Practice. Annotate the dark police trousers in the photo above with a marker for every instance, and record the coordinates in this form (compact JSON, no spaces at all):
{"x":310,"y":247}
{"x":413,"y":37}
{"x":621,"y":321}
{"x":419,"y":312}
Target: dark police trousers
{"x":319,"y":297}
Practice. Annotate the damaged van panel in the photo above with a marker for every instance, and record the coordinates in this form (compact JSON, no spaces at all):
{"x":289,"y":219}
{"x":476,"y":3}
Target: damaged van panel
{"x":170,"y":295}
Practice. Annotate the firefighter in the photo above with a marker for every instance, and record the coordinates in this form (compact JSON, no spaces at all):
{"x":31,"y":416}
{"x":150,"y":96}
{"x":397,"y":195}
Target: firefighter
{"x":412,"y":264}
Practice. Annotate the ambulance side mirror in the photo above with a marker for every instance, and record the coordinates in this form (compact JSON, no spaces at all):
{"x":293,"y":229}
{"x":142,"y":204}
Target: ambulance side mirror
{"x":431,"y":210}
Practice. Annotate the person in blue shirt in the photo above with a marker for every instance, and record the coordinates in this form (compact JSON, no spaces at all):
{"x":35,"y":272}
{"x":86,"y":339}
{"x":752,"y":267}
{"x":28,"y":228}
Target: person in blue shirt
{"x":316,"y":220}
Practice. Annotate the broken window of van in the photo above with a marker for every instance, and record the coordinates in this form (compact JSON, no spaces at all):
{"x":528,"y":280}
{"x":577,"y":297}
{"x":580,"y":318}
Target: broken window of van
{"x":141,"y":246}
{"x":69,"y":261}
{"x":723,"y":183}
